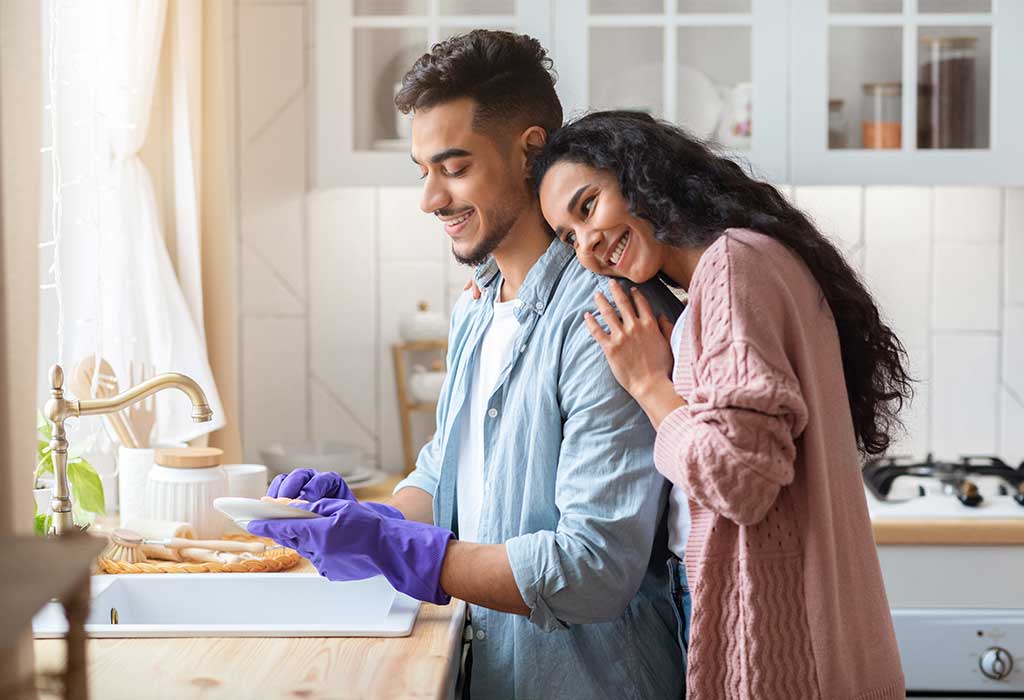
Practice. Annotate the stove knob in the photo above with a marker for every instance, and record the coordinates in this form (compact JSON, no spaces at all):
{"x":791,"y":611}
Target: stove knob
{"x":996,"y":663}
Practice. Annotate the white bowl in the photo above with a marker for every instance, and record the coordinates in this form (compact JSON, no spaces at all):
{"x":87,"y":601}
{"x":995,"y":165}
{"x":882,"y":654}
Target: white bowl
{"x":282,"y":458}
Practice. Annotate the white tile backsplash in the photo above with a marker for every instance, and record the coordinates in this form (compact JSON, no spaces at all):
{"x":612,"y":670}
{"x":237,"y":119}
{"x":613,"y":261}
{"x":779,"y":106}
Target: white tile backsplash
{"x":965,"y":287}
{"x":270,"y":58}
{"x":1013,"y":350}
{"x":406,"y":232}
{"x":836,"y":211}
{"x":1013,"y":238}
{"x":897,"y":212}
{"x":965,"y":394}
{"x":898,"y":273}
{"x":273,"y":185}
{"x":344,"y":351}
{"x":274,"y":383}
{"x":967,"y":214}
{"x":1011,"y":408}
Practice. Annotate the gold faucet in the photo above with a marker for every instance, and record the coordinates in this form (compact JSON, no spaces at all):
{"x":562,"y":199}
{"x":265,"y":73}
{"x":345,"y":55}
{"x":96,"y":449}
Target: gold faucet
{"x":58,"y":409}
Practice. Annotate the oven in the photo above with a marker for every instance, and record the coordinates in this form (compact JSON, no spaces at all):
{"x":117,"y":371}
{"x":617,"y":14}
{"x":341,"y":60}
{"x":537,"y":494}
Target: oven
{"x":951,"y":545}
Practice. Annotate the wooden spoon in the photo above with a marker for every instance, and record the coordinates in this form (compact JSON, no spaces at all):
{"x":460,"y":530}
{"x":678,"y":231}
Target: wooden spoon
{"x":80,"y":383}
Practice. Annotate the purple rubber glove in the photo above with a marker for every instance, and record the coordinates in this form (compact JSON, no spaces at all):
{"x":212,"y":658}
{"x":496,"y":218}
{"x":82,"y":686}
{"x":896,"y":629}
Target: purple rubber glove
{"x":311,"y":485}
{"x":354,"y":542}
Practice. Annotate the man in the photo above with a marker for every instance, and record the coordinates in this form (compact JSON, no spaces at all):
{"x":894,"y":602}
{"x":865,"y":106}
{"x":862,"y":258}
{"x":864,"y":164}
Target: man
{"x":540,"y":462}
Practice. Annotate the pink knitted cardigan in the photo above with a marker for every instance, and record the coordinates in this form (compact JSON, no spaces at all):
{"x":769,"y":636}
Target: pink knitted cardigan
{"x":787,"y":592}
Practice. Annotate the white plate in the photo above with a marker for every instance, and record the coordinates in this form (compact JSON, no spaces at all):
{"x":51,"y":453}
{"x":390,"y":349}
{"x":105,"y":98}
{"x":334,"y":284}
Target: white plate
{"x":700,"y":104}
{"x":242,"y":510}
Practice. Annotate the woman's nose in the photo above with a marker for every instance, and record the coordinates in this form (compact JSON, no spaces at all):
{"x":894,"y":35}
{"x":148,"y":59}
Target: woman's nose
{"x":588,"y":242}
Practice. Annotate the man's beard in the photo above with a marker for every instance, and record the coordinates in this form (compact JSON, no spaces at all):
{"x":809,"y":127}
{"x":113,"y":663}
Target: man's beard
{"x":504,"y":219}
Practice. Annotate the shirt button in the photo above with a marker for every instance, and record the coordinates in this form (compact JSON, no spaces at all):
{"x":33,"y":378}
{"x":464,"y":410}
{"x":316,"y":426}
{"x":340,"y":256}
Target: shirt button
{"x":539,"y":306}
{"x":492,"y":412}
{"x":481,"y":635}
{"x":522,"y":348}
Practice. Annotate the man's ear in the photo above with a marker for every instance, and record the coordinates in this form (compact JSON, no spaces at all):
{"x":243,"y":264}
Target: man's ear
{"x":531,"y":141}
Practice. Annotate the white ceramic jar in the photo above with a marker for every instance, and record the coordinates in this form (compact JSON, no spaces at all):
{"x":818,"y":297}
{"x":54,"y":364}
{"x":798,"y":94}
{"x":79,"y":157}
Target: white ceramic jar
{"x":182,"y":485}
{"x":424,"y":324}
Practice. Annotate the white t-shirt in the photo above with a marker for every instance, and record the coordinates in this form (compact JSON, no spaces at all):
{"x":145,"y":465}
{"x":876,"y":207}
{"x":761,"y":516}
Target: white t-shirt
{"x":494,"y":354}
{"x":678,"y":505}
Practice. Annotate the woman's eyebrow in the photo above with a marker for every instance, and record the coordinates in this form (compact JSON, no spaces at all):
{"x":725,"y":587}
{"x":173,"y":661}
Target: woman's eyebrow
{"x":575,"y":198}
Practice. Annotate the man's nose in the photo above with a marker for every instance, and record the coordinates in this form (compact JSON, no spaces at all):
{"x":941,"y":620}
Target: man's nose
{"x":435,"y":196}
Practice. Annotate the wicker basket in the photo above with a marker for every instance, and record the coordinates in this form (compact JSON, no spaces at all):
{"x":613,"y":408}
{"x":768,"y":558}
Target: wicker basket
{"x":276,"y":559}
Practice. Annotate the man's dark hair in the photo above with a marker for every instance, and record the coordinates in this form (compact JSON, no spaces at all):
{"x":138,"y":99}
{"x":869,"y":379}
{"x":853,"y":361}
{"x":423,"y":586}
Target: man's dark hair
{"x":509,"y":76}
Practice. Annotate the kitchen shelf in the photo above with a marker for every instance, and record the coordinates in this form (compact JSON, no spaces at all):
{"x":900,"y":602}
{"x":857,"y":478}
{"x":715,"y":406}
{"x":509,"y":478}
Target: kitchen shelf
{"x":406,"y":406}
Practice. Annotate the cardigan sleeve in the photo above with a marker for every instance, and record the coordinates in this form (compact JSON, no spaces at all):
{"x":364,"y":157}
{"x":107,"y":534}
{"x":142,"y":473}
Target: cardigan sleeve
{"x":732,"y":447}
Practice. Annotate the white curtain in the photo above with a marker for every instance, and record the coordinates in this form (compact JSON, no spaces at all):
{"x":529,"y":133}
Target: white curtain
{"x":121,"y":298}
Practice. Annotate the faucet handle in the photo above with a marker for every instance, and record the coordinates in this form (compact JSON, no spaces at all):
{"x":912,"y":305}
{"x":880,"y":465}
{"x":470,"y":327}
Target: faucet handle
{"x":56,"y":377}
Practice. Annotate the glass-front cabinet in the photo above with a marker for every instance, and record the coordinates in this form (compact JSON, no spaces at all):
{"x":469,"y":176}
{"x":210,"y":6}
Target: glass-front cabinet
{"x":801,"y":91}
{"x":715,"y":67}
{"x":907,"y":91}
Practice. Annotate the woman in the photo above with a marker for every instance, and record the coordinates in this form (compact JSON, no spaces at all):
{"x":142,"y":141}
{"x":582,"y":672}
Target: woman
{"x":776,"y":376}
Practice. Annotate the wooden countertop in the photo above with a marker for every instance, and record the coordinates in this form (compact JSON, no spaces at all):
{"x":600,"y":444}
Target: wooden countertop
{"x":963,"y":531}
{"x":423,"y":665}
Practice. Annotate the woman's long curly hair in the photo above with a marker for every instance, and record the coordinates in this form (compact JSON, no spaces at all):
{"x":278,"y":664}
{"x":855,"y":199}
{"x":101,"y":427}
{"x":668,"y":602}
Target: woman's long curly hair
{"x":691,"y":196}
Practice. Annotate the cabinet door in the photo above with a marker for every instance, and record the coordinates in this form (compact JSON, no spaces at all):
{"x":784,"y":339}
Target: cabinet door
{"x":716,"y":67}
{"x":362,"y":48}
{"x":907,"y":91}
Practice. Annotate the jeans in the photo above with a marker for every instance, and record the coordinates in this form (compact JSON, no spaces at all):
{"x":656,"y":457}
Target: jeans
{"x":682,"y":604}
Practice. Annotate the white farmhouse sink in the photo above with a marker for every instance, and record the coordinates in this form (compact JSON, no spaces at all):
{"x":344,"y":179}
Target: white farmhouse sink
{"x":237,"y":605}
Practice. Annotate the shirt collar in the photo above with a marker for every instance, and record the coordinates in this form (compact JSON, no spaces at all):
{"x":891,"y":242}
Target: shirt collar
{"x":540,"y":280}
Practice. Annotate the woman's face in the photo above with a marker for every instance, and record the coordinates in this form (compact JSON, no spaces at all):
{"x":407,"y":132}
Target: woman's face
{"x":586,"y":209}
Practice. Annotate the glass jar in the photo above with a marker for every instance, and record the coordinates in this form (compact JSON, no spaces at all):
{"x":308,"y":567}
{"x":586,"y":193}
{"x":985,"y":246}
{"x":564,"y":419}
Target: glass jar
{"x":836,"y":124}
{"x":946,"y":106}
{"x":881,"y":121}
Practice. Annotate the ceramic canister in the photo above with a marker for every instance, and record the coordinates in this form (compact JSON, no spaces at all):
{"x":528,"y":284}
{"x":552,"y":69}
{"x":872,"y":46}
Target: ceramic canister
{"x":182,"y":485}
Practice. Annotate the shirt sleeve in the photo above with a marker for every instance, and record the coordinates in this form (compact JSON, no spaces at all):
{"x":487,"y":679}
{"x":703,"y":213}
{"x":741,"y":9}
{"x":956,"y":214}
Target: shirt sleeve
{"x":609,"y":497}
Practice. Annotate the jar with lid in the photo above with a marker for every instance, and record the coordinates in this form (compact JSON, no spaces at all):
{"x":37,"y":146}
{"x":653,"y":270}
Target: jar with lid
{"x":836,"y":125}
{"x":945,"y":109}
{"x":182,"y":485}
{"x":881,"y":122}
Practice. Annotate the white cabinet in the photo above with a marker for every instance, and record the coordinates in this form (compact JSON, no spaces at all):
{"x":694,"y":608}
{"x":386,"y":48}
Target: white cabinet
{"x":715,"y":67}
{"x":802,"y":91}
{"x":907,"y":91}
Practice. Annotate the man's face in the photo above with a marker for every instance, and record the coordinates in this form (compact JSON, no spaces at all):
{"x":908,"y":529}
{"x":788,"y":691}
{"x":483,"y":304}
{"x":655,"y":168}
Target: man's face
{"x":472,"y":182}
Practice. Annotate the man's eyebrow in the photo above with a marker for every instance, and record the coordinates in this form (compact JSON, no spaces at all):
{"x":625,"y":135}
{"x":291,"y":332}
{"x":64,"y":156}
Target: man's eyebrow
{"x":444,"y":155}
{"x":576,"y":198}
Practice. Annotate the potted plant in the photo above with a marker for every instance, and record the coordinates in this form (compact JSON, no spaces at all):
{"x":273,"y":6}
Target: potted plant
{"x":86,"y":488}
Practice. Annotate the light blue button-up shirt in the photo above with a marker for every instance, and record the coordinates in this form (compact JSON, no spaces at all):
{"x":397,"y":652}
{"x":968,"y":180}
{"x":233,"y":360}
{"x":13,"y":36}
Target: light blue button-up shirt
{"x":570,"y":488}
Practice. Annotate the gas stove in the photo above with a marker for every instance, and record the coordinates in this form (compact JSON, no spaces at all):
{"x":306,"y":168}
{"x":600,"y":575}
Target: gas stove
{"x":974,"y":486}
{"x":956,"y":608}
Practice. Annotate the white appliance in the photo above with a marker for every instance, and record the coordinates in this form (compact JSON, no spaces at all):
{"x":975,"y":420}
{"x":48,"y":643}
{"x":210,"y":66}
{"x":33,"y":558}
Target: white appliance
{"x":958,"y":609}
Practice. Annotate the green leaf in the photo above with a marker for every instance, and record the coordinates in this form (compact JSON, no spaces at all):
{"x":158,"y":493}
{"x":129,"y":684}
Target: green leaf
{"x":43,"y":426}
{"x":86,"y":487}
{"x":41,"y":524}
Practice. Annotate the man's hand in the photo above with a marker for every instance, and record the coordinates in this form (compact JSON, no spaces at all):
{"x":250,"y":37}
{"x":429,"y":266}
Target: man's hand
{"x":354,"y":542}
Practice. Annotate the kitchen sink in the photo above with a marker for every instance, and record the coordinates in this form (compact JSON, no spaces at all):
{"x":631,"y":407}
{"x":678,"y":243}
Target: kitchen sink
{"x":237,"y":605}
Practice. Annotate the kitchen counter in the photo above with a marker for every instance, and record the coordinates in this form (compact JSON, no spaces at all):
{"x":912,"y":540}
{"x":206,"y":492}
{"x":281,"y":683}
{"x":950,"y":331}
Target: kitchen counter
{"x":423,"y":665}
{"x":949,"y":531}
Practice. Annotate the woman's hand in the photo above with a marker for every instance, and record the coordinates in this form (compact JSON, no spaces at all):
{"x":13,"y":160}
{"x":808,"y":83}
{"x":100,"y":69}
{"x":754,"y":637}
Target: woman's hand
{"x":471,"y":284}
{"x":637,"y":346}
